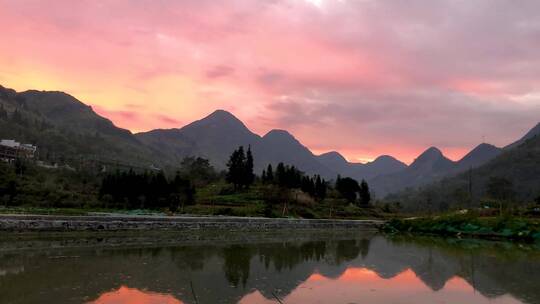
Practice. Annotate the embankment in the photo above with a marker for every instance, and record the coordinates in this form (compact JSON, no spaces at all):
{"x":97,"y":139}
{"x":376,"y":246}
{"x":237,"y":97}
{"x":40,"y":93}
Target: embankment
{"x":36,"y":223}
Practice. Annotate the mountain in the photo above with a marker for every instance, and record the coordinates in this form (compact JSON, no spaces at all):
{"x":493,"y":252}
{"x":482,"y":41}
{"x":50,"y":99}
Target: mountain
{"x":429,"y":166}
{"x":520,"y":165}
{"x":380,"y":166}
{"x":384,"y":164}
{"x":535,"y":131}
{"x":280,"y":146}
{"x":66,"y":129}
{"x":478,"y":156}
{"x":66,"y":111}
{"x":214,"y":137}
{"x":432,"y":166}
{"x":337,"y":162}
{"x":430,"y":162}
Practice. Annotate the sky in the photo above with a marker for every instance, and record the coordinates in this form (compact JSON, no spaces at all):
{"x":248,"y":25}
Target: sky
{"x":362,"y":77}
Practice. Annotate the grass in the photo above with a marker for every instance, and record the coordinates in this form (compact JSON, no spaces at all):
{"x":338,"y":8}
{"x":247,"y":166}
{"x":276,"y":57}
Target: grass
{"x":503,"y":227}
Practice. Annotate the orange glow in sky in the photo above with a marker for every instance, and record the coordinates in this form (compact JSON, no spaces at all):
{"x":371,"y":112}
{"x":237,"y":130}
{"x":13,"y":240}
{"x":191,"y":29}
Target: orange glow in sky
{"x":364,"y":78}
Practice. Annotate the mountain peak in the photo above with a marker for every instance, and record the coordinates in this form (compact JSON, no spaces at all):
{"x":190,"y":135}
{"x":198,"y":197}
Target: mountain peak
{"x":385,"y":158}
{"x":219,"y":119}
{"x":387,"y":161}
{"x":221,"y":115}
{"x":479,"y":155}
{"x":278,"y":133}
{"x":484,"y":146}
{"x":333,"y":156}
{"x":432,"y":151}
{"x":431,"y":155}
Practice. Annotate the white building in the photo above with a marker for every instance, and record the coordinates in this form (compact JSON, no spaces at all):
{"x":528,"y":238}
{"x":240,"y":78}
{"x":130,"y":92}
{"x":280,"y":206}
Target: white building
{"x":11,"y":149}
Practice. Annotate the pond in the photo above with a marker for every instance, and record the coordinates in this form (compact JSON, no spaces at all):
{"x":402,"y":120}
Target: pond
{"x":257,"y":268}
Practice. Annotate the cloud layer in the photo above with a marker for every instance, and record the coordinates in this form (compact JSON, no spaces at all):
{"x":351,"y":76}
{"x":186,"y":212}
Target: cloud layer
{"x":362,"y":77}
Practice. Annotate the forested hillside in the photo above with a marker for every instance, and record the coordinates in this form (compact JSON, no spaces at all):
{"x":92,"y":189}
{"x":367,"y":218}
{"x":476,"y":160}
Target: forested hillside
{"x":513,"y":176}
{"x":66,"y":130}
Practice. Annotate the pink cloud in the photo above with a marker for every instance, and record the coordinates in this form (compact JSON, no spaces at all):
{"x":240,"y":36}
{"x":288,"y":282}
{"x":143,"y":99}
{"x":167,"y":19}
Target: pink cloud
{"x":365,"y":77}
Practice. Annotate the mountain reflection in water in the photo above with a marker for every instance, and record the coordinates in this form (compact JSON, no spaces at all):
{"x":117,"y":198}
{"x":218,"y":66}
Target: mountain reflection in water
{"x":125,"y":295}
{"x":340,"y":268}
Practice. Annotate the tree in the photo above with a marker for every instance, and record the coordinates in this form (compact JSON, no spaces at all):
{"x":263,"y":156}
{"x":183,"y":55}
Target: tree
{"x":240,"y":166}
{"x":144,"y":190}
{"x":198,"y":170}
{"x":248,"y":176}
{"x":308,"y":185}
{"x":365,"y":195}
{"x":348,"y":188}
{"x":320,"y":188}
{"x":269,"y":174}
{"x":263,"y":176}
{"x":3,"y":112}
{"x":236,"y":168}
{"x":182,"y":193}
{"x":280,"y":174}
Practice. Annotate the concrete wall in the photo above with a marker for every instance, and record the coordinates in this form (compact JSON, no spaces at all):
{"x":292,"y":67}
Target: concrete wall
{"x":117,"y":223}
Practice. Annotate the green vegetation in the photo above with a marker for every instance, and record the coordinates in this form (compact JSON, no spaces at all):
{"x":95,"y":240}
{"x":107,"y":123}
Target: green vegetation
{"x":240,"y":166}
{"x":67,"y":131}
{"x":470,"y":225}
{"x":193,"y":188}
{"x":352,"y":191}
{"x":146,"y":190}
{"x":511,"y":180}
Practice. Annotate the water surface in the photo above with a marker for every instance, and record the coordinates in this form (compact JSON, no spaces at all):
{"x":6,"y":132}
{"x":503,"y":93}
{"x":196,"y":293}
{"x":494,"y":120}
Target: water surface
{"x":262,"y":268}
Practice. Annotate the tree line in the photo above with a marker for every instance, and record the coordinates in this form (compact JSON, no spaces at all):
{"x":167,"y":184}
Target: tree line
{"x":130,"y":189}
{"x":290,"y":177}
{"x":240,"y":174}
{"x":146,"y":190}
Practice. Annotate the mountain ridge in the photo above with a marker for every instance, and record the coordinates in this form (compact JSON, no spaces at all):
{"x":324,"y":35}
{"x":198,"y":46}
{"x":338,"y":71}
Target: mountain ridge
{"x":214,"y":137}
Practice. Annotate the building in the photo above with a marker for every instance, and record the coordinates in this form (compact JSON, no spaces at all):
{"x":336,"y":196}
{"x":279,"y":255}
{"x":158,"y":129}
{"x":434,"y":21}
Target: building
{"x":10,"y":149}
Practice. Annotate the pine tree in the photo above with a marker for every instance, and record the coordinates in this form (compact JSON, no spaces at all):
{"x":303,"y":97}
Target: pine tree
{"x":281,"y":174}
{"x":365,"y":195}
{"x":270,"y":174}
{"x":263,"y":177}
{"x":236,"y":165}
{"x":248,"y":176}
{"x":320,"y":188}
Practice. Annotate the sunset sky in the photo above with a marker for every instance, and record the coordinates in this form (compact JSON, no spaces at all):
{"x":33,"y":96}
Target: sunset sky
{"x":361,"y":77}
